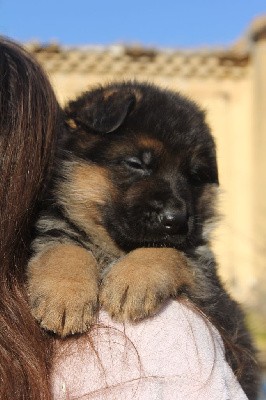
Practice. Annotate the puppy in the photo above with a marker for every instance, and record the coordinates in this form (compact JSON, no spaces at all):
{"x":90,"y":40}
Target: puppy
{"x":126,"y":222}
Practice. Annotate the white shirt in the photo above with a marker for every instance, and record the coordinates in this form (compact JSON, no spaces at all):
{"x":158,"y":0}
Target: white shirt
{"x":175,"y":355}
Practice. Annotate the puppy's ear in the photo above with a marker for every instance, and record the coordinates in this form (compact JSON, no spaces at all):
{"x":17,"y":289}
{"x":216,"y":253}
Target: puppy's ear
{"x":102,"y":111}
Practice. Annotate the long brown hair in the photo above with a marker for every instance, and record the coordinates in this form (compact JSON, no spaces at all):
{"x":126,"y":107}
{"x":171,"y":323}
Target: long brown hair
{"x":29,"y":122}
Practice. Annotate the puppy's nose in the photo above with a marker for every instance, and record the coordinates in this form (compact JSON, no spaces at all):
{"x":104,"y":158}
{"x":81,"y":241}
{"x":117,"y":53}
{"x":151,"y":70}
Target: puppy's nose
{"x":173,"y":220}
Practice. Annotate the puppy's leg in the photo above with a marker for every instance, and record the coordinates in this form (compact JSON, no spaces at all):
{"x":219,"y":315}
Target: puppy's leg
{"x":138,"y":284}
{"x":63,"y":288}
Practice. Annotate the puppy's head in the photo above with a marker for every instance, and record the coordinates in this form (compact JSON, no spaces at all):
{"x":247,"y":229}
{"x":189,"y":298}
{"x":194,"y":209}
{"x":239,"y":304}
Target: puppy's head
{"x":141,"y":165}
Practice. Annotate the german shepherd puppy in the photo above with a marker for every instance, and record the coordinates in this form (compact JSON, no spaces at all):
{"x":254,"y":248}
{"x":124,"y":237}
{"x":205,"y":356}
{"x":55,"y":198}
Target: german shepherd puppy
{"x":126,"y":222}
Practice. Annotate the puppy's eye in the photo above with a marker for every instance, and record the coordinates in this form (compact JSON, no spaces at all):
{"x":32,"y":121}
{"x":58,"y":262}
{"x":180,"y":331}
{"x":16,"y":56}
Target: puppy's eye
{"x":134,"y":163}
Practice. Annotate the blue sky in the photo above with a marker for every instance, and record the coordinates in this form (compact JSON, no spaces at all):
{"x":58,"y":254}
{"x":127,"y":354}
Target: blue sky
{"x":168,"y":23}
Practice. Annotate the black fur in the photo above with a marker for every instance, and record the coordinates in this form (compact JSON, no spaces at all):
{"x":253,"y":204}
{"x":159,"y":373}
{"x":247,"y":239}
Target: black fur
{"x":161,"y":162}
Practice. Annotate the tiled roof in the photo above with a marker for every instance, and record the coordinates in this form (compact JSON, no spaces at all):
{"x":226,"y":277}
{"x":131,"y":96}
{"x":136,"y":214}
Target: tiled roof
{"x":122,"y":59}
{"x":119,"y":59}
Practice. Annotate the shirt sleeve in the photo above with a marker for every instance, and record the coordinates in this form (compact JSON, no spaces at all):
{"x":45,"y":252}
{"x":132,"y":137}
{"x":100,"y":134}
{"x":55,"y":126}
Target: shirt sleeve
{"x":175,"y":355}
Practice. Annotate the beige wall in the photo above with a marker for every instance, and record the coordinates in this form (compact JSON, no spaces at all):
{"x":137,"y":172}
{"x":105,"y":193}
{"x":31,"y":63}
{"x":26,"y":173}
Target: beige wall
{"x":259,"y":168}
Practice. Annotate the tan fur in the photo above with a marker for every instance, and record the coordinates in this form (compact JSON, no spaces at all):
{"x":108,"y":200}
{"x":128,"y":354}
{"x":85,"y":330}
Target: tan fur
{"x":87,"y":187}
{"x":209,"y":196}
{"x":71,"y":123}
{"x":109,"y":92}
{"x":151,"y":143}
{"x":138,"y":95}
{"x":63,"y":288}
{"x":137,"y":285}
{"x":91,"y":184}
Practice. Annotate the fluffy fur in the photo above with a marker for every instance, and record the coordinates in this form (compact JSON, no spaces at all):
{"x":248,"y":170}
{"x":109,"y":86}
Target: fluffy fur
{"x":126,"y":221}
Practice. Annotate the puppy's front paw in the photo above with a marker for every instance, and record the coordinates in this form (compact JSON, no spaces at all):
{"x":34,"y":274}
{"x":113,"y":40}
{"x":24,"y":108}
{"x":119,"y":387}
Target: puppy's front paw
{"x":138,"y":284}
{"x":63,"y":289}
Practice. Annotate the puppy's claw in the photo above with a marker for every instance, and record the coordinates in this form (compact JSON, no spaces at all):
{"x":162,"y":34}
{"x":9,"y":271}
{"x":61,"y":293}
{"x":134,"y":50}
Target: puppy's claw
{"x":74,"y":313}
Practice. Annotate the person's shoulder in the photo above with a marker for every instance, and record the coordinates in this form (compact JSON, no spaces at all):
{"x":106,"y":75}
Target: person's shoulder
{"x":177,"y":353}
{"x":177,"y":321}
{"x":182,"y":346}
